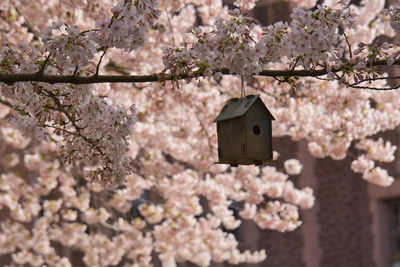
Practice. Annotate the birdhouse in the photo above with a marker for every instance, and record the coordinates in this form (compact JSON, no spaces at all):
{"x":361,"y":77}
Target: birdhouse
{"x":244,"y":132}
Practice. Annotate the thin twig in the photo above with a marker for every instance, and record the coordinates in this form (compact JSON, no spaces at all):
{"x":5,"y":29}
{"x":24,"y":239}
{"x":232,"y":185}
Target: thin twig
{"x":376,"y":88}
{"x":43,"y":67}
{"x":62,"y":130}
{"x":98,"y":65}
{"x":75,"y":71}
{"x":375,"y":79}
{"x":8,"y":104}
{"x":73,"y":122}
{"x":323,"y":79}
{"x":295,"y":63}
{"x":347,"y":41}
{"x":169,"y":24}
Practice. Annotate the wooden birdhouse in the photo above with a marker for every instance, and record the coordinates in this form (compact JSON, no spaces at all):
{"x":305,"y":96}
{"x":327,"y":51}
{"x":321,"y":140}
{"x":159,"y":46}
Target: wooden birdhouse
{"x":244,"y":132}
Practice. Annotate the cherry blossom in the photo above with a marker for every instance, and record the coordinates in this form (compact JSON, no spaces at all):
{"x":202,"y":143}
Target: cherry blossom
{"x":394,"y":13}
{"x":293,"y":166}
{"x":245,"y":4}
{"x":124,"y":172}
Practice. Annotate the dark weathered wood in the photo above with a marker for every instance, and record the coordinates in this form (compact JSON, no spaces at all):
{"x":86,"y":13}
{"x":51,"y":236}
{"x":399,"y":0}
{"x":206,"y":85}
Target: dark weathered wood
{"x":230,"y":139}
{"x":244,"y":139}
{"x":258,"y":133}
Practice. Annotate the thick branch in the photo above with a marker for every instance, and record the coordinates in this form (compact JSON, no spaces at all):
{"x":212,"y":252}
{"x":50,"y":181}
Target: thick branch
{"x":11,"y":78}
{"x":34,"y":77}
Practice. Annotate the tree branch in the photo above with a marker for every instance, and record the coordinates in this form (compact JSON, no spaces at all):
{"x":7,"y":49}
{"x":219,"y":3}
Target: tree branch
{"x":11,"y":78}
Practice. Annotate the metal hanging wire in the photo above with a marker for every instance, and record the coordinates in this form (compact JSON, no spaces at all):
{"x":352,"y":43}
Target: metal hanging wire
{"x":242,"y":89}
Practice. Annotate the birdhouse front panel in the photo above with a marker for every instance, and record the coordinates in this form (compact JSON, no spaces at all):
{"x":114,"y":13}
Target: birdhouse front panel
{"x":258,"y":135}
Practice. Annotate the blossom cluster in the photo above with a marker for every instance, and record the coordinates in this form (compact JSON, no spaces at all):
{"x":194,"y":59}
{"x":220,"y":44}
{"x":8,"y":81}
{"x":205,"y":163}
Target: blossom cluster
{"x":312,"y":38}
{"x":375,"y":151}
{"x":92,"y":130}
{"x":230,"y":45}
{"x":332,"y":126}
{"x":394,"y":13}
{"x":245,"y":4}
{"x":68,"y":211}
{"x":316,"y":37}
{"x":127,"y":27}
{"x":69,"y":48}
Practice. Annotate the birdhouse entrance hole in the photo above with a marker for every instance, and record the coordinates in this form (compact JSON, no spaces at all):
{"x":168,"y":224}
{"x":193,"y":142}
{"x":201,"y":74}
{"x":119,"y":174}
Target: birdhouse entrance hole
{"x":256,"y":129}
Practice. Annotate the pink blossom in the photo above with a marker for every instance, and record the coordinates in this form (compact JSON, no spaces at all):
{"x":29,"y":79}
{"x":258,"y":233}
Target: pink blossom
{"x":152,"y":213}
{"x":293,"y":166}
{"x":362,"y":164}
{"x":245,"y":4}
{"x":249,"y":211}
{"x":378,"y":176}
{"x":394,"y":12}
{"x":378,"y":150}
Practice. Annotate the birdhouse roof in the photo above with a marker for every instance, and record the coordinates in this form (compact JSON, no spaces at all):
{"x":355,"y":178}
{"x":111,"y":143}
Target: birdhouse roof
{"x":237,"y":107}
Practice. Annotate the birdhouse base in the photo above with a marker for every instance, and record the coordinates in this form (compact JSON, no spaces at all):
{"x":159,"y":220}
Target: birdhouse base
{"x":238,"y":162}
